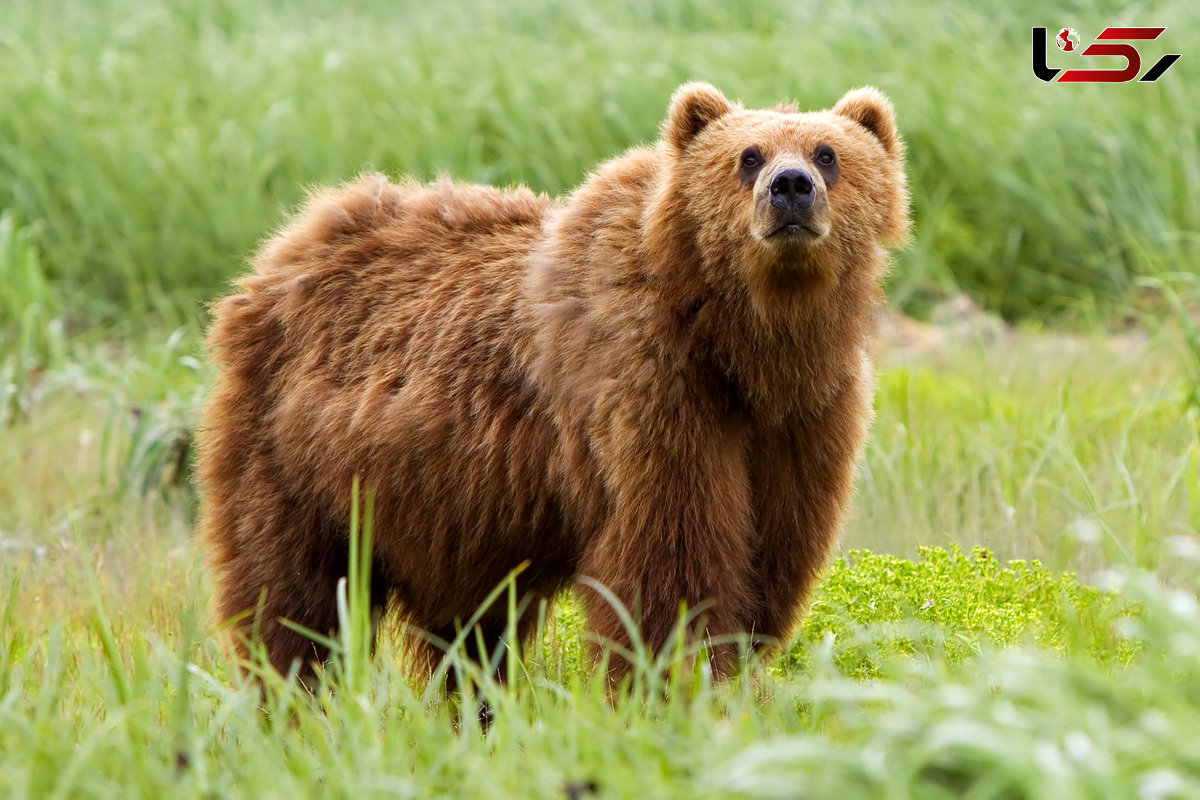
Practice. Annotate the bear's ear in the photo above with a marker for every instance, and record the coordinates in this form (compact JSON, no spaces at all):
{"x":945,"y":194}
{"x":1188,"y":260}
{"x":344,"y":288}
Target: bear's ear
{"x":870,"y":108}
{"x":694,"y":106}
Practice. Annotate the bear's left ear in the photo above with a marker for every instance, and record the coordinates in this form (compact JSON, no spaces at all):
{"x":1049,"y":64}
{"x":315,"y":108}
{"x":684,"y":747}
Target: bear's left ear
{"x":870,"y":108}
{"x":694,"y":107}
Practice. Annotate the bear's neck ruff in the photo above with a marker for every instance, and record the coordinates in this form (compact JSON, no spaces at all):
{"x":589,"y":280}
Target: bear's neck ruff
{"x":785,"y":331}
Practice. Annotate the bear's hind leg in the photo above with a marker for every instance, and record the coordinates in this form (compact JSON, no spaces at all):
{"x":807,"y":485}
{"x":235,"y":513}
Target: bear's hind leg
{"x":289,"y":571}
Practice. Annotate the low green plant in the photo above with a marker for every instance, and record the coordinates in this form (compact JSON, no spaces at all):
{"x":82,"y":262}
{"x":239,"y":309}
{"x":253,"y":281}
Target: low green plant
{"x":874,"y":606}
{"x":150,"y":428}
{"x":32,"y":337}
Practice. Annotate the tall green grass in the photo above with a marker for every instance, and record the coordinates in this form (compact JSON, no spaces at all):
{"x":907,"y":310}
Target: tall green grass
{"x":1078,"y":451}
{"x":1182,"y":294}
{"x":155,"y":142}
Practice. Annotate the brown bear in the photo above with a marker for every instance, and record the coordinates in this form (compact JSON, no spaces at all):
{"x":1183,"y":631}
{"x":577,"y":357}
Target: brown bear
{"x":658,"y":383}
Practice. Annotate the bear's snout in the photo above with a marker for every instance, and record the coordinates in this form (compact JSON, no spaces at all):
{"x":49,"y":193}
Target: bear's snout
{"x":792,"y":189}
{"x":791,"y":208}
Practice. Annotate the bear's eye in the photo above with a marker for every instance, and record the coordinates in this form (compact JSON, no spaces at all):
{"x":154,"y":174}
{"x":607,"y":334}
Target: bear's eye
{"x":749,"y":163}
{"x":827,"y":163}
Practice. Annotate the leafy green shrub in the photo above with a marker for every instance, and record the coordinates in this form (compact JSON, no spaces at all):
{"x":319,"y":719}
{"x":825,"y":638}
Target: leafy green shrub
{"x":872,"y":607}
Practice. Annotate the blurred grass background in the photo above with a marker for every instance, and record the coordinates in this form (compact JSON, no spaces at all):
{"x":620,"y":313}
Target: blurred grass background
{"x":149,"y":145}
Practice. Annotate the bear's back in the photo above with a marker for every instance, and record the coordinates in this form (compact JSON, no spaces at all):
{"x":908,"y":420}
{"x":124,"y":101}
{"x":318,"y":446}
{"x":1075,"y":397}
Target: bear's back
{"x":375,"y":276}
{"x":381,"y":335}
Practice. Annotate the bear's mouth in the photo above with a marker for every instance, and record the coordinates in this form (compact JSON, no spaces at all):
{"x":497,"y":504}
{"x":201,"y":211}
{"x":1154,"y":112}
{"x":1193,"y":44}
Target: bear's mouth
{"x":795,"y":230}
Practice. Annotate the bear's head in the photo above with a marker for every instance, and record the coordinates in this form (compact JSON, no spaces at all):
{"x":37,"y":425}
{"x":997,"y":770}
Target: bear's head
{"x":780,"y":193}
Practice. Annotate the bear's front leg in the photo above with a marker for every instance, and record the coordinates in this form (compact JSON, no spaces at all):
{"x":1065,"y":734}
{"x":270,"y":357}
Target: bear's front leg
{"x":678,"y":530}
{"x":802,"y":476}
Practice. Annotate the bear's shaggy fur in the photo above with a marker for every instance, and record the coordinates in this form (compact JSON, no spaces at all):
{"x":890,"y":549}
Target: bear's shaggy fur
{"x":658,"y":383}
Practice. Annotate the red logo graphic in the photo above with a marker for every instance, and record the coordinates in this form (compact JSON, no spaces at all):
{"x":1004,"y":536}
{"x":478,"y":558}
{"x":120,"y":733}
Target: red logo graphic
{"x":1068,"y":42}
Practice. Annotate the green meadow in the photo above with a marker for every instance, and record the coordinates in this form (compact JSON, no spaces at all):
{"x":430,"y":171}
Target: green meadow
{"x":1013,"y":609}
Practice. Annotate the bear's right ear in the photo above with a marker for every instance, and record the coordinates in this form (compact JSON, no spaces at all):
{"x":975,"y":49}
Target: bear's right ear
{"x":870,"y":108}
{"x":694,"y":106}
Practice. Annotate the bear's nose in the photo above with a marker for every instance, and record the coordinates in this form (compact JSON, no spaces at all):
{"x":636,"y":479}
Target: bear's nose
{"x":792,"y":187}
